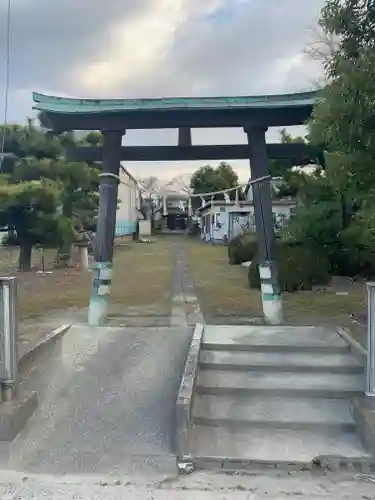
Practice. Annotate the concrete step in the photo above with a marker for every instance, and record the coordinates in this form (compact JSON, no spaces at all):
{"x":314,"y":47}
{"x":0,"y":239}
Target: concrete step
{"x":273,"y":339}
{"x":279,"y":361}
{"x":273,"y":412}
{"x":286,"y":385}
{"x":246,"y":447}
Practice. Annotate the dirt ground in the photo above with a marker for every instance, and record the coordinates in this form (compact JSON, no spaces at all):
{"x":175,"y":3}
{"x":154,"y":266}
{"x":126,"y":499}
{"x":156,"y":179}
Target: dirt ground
{"x":225,"y":296}
{"x":141,"y":286}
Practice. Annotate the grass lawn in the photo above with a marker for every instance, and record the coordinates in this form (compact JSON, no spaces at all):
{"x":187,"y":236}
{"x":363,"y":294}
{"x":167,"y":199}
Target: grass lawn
{"x":142,"y":278}
{"x":141,"y":285}
{"x":223,"y":290}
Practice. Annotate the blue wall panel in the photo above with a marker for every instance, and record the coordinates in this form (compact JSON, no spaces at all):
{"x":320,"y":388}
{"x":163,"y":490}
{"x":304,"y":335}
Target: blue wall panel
{"x":125,"y":227}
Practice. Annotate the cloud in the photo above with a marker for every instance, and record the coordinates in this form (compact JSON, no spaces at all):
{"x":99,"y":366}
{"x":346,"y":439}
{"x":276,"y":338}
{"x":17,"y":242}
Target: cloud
{"x":153,"y":48}
{"x":136,"y":51}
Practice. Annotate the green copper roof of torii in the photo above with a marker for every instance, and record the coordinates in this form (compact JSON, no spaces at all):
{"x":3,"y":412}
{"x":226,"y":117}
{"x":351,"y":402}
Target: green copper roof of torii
{"x":64,"y":105}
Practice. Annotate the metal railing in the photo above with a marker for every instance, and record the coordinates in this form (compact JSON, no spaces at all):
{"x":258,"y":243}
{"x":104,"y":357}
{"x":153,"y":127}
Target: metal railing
{"x":8,"y":337}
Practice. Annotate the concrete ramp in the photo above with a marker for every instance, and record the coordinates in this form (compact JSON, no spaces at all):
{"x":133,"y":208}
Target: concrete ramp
{"x":107,"y":399}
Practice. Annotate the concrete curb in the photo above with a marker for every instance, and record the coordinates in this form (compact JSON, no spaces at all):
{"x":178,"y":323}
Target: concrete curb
{"x":30,"y":355}
{"x":14,"y":414}
{"x":185,"y":397}
{"x":363,"y":413}
{"x":358,"y":351}
{"x":329,"y":463}
{"x":364,"y":418}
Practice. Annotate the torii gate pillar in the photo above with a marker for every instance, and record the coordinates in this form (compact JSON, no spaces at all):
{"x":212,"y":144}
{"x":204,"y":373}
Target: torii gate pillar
{"x":106,"y":226}
{"x":270,"y":288}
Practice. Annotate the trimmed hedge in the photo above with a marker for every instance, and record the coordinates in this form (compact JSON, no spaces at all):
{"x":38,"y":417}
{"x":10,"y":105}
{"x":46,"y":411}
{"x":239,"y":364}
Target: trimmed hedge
{"x":242,"y":248}
{"x":300,"y":267}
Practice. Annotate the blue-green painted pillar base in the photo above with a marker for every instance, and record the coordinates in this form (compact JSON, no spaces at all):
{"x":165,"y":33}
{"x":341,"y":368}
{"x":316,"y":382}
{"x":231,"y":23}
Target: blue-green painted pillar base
{"x":100,"y":291}
{"x":272,"y":302}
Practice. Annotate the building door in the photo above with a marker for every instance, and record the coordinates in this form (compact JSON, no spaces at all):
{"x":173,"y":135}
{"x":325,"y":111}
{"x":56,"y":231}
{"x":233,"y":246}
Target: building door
{"x":181,"y":222}
{"x":171,"y":222}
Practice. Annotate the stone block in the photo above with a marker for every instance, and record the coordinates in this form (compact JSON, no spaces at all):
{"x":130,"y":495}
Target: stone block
{"x":15,"y":414}
{"x":184,"y":403}
{"x":364,"y":417}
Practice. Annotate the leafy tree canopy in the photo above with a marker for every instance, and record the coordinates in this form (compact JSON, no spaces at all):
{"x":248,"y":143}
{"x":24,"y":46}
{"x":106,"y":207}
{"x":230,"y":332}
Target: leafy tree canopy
{"x":337,"y":207}
{"x":43,"y":198}
{"x":281,"y":167}
{"x":209,"y":179}
{"x":344,"y":120}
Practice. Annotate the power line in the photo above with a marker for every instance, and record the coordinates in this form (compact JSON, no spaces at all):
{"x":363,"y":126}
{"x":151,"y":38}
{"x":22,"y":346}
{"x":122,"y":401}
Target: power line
{"x":7,"y":79}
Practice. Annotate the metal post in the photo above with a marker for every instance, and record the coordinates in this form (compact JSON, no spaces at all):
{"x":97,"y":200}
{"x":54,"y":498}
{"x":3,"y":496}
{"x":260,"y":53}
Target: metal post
{"x":270,"y":289}
{"x":105,"y":234}
{"x":370,"y":363}
{"x":9,"y":337}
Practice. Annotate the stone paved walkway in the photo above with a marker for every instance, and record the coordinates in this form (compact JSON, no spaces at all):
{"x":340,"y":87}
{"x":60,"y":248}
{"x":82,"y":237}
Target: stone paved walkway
{"x":185,"y":306}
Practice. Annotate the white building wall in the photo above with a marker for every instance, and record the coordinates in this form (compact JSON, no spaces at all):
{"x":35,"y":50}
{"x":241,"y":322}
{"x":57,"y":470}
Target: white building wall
{"x":127,"y":213}
{"x":241,"y":222}
{"x":216,"y":222}
{"x":227,"y":221}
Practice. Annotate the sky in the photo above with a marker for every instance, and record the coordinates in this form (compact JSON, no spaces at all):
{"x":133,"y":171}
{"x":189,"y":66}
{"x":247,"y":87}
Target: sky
{"x":159,"y":48}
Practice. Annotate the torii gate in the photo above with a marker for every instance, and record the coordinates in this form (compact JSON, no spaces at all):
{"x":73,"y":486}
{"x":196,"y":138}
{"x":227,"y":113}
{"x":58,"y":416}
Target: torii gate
{"x":113,"y":117}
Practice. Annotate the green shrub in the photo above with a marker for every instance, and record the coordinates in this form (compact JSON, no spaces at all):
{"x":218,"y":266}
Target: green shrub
{"x":300,"y":267}
{"x":321,"y":226}
{"x":242,"y":248}
{"x":357,"y":253}
{"x":318,"y":224}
